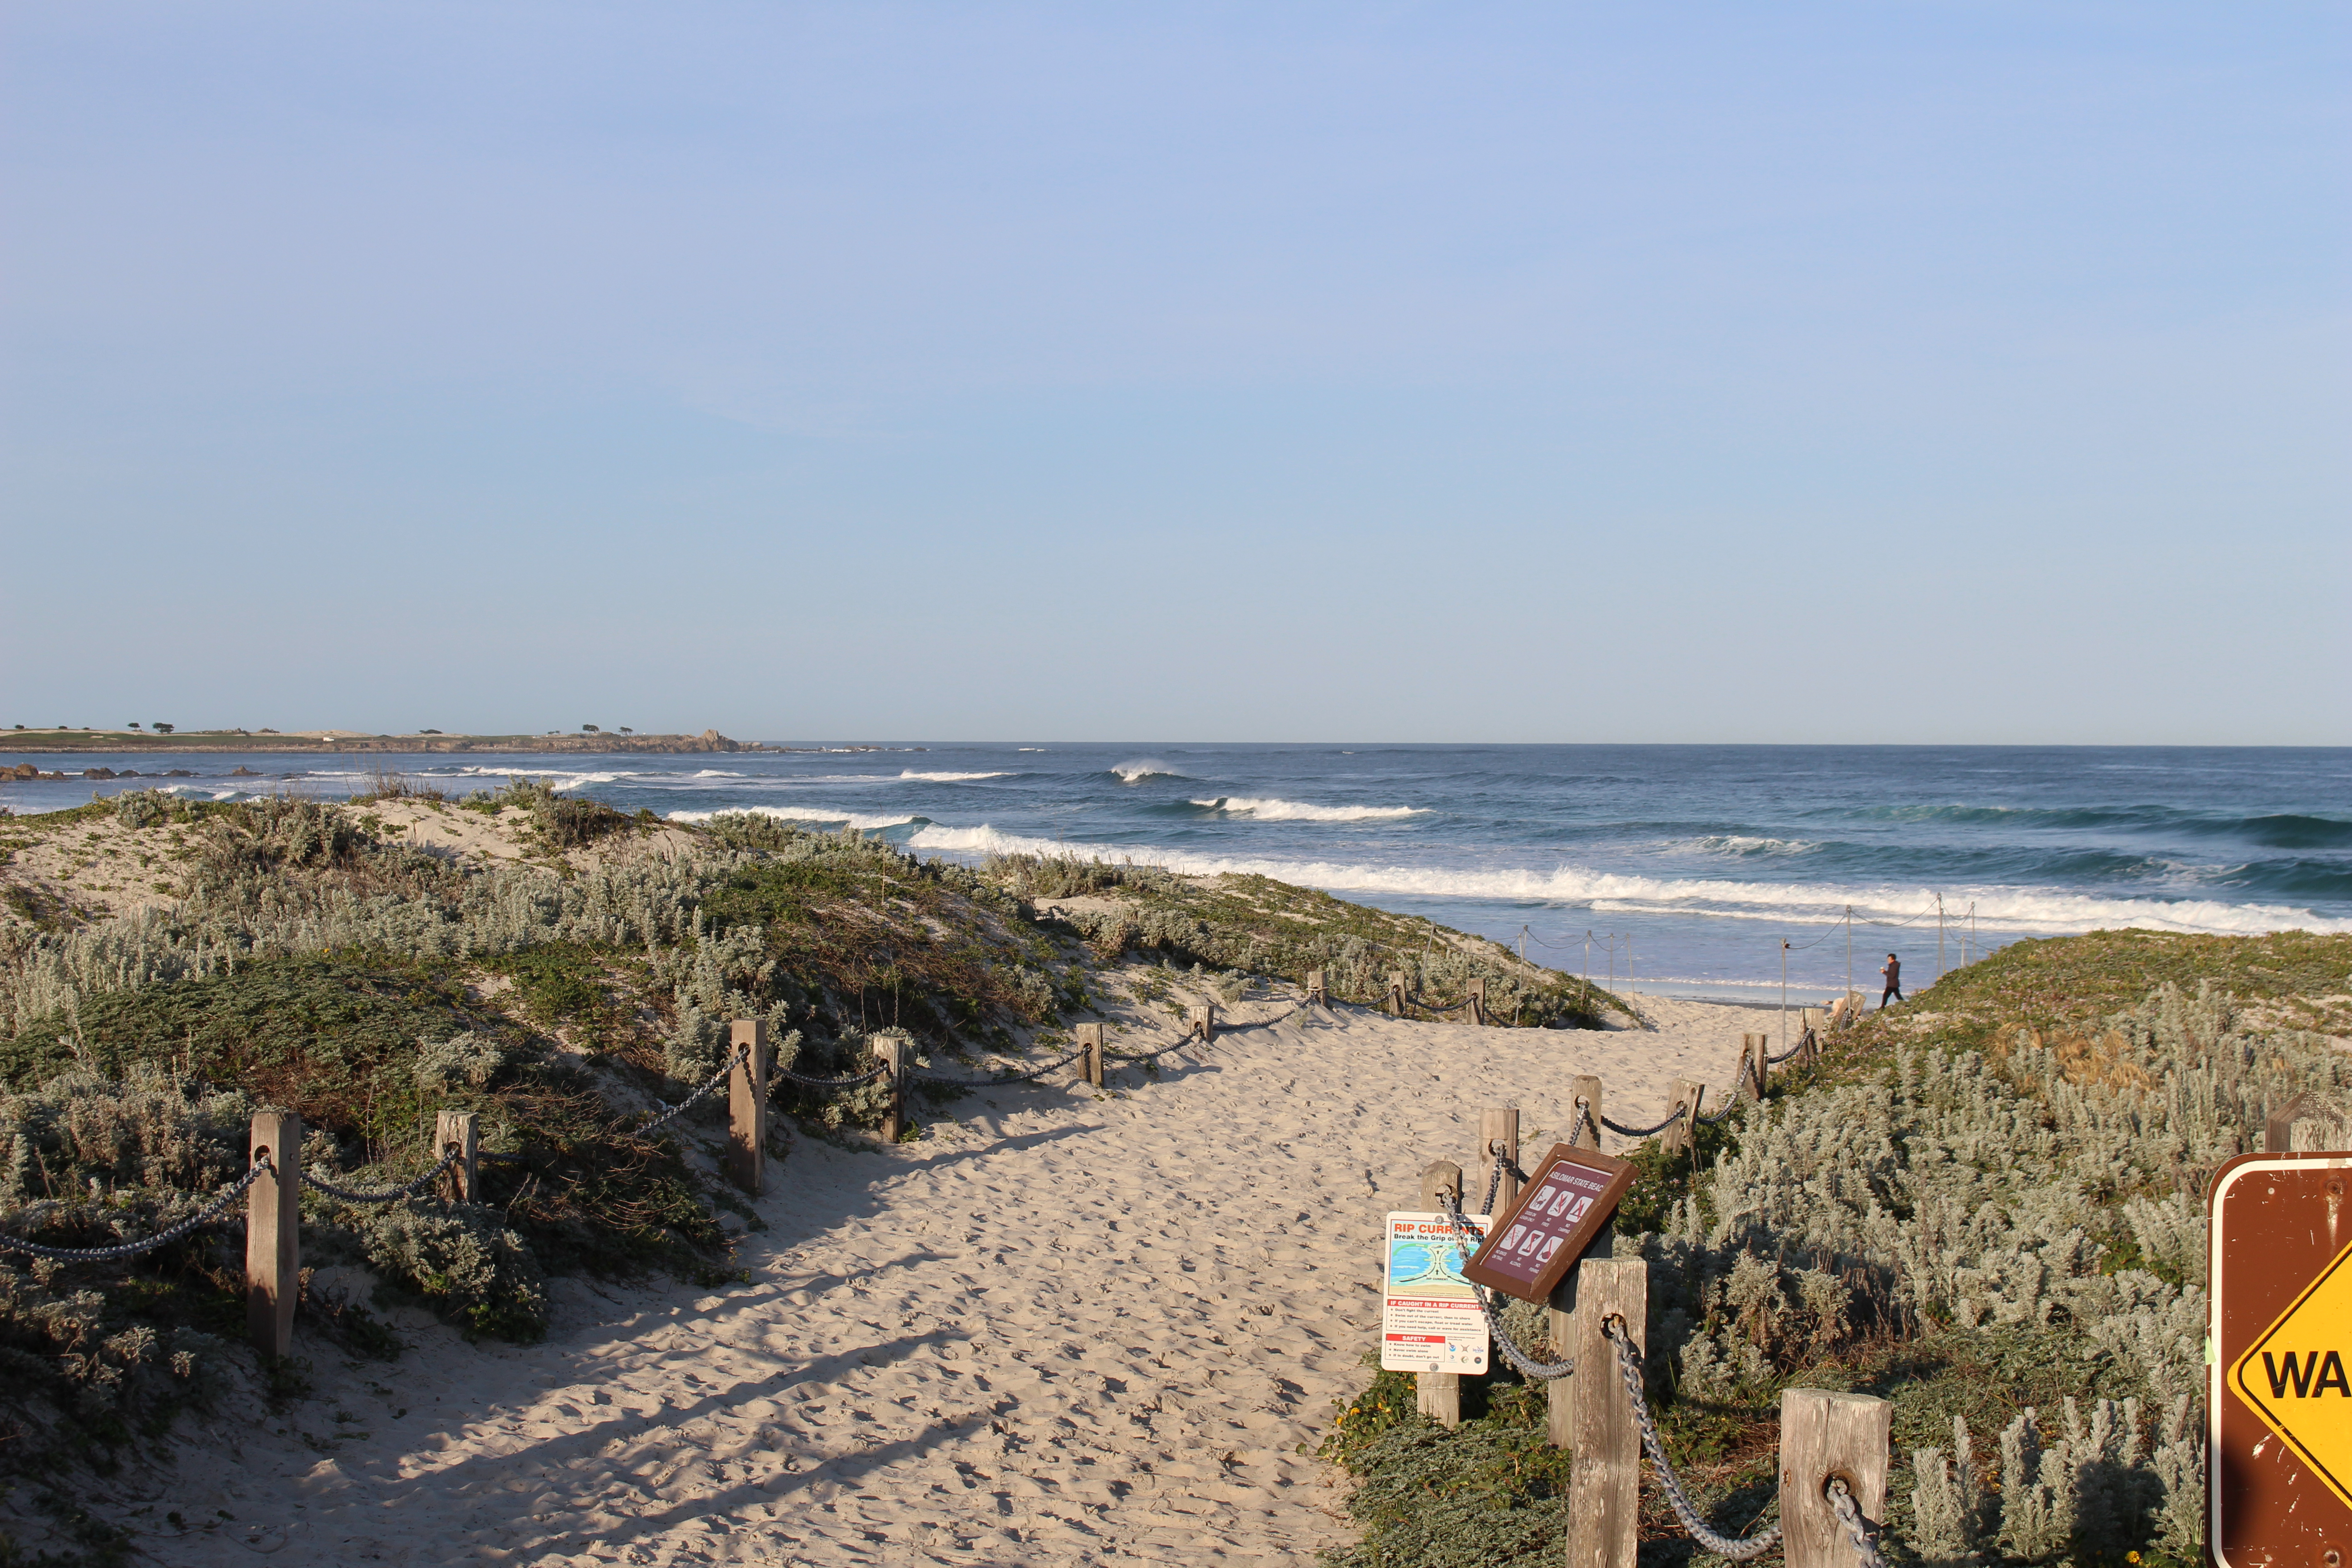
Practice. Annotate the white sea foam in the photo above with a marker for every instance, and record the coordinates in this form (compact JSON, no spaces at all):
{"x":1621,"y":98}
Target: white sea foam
{"x":1144,"y":768}
{"x":1271,"y":810}
{"x":858,"y":820}
{"x":2006,"y":910}
{"x":1743,"y":845}
{"x":951,"y":778}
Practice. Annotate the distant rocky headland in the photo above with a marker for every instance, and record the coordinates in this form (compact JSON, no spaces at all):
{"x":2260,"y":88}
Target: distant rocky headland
{"x":323,"y":740}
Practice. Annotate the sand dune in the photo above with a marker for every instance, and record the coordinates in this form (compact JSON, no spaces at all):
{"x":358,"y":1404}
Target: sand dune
{"x":1060,"y":1329}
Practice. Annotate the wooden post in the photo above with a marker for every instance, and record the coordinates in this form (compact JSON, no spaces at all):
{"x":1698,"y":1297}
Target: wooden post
{"x":747,"y":1105}
{"x":1478,"y":1000}
{"x":1762,"y":1051}
{"x":893,"y":1052}
{"x":1091,"y":1037}
{"x":273,"y":1233}
{"x":1202,"y":1021}
{"x":1605,"y":1487}
{"x":1560,"y":1392}
{"x":461,"y":1182}
{"x":1684,"y":1135}
{"x":1748,"y":1089}
{"x":1499,"y":1132}
{"x":1319,"y":994}
{"x":1438,"y":1394}
{"x":1823,"y":1434}
{"x":1586,"y":1132}
{"x":1395,"y":1003}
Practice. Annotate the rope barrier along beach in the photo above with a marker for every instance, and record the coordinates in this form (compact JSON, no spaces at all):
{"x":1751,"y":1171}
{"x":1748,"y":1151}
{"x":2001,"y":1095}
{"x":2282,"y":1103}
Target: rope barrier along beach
{"x":711,"y":1085}
{"x":202,"y":1217}
{"x":1623,"y":1132}
{"x":851,"y":1082}
{"x":407,"y":1189}
{"x":1467,"y":1239}
{"x":1849,"y":1513}
{"x":1069,"y":1055}
{"x":1738,"y":1551}
{"x":1494,"y":1179}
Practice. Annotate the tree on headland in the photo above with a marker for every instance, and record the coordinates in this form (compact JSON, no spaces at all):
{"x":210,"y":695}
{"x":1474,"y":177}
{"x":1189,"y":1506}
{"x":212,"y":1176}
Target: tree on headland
{"x":161,"y":729}
{"x":587,"y":729}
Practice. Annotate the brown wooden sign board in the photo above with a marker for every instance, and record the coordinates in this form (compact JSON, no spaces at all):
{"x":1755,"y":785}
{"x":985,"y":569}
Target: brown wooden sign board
{"x":2279,"y":1404}
{"x":1571,"y":1195}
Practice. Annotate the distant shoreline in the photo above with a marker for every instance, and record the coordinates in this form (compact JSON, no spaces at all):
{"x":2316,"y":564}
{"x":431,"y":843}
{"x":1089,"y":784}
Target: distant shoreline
{"x":337,"y":742}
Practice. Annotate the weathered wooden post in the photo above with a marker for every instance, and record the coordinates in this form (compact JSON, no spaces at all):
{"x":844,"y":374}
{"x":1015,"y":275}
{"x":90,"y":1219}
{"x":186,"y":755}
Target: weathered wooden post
{"x":1319,"y":994}
{"x":1811,"y":1038}
{"x":1605,"y":1487}
{"x":1747,"y":1088}
{"x":1683,"y":1134}
{"x":1090,"y":1035}
{"x":461,"y":1182}
{"x":1762,"y":1051}
{"x":1200,"y":1022}
{"x":1438,"y":1394}
{"x":895,"y":1052}
{"x":273,"y":1232}
{"x":1498,"y":1133}
{"x":1586,"y":1134}
{"x":1478,"y":1000}
{"x":1826,"y":1435}
{"x":747,"y":1105}
{"x":1395,"y":1002}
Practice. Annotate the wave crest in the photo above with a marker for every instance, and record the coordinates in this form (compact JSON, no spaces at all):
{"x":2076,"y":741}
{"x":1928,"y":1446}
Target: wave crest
{"x":1267,"y":809}
{"x":2008,"y":909}
{"x":858,"y":820}
{"x":949,"y":778}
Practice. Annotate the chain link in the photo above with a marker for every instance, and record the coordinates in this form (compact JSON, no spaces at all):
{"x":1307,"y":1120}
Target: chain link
{"x":852,"y":1082}
{"x":211,"y":1211}
{"x":1721,"y":1545}
{"x":1857,"y":1528}
{"x":408,"y":1191}
{"x":1464,"y":1236}
{"x":1068,"y":1056}
{"x":710,"y":1087}
{"x":1624,"y":1132}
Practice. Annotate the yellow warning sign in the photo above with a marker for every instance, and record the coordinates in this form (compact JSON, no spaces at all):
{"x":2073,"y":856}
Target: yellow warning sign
{"x":2295,"y":1378}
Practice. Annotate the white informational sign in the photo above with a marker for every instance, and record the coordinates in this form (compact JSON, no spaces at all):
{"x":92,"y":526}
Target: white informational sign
{"x":1430,"y":1320}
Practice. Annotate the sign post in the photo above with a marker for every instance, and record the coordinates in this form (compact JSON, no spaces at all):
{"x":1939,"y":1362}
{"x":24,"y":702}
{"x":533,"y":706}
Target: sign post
{"x":2279,"y":1438}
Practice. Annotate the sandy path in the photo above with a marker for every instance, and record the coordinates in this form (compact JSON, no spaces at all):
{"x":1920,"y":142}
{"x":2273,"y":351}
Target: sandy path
{"x":1061,"y":1330}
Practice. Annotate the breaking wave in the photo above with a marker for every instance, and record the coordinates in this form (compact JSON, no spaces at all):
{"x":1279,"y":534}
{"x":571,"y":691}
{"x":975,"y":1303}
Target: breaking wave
{"x":1270,"y":810}
{"x":2009,"y":909}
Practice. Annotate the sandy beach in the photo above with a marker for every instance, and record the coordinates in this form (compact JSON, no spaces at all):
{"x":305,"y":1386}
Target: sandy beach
{"x":1061,"y":1328}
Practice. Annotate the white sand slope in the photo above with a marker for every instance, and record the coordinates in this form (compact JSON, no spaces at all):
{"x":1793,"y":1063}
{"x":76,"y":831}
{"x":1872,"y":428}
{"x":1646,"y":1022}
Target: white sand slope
{"x":1062,"y":1330}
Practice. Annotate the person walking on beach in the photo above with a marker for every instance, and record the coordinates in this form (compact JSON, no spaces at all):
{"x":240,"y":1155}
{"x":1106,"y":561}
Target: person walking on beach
{"x":1893,"y":969}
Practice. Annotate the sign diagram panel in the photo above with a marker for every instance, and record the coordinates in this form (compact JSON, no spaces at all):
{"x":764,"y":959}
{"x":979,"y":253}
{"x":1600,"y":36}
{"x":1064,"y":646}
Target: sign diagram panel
{"x":2280,"y":1405}
{"x":1572,"y":1195}
{"x":1430,"y":1320}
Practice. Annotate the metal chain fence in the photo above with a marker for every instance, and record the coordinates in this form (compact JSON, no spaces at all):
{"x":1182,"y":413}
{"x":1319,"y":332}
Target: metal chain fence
{"x":408,"y":1190}
{"x":1738,"y":1551}
{"x":202,"y":1217}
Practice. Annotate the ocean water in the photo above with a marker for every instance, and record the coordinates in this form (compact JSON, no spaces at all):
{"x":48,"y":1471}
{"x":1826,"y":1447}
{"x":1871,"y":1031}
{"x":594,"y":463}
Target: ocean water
{"x":1680,"y":870}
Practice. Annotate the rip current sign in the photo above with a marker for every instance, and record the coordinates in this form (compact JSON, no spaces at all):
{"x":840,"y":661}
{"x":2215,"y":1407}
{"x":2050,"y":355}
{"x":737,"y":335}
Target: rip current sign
{"x":1430,"y":1318}
{"x":1571,"y":1195}
{"x":2279,"y":1436}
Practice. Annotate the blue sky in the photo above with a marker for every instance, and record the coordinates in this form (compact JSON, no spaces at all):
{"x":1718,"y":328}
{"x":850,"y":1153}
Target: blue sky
{"x":1896,"y":373}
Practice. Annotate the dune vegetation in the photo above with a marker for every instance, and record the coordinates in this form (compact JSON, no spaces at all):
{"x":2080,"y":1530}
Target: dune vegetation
{"x":1985,"y":1206}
